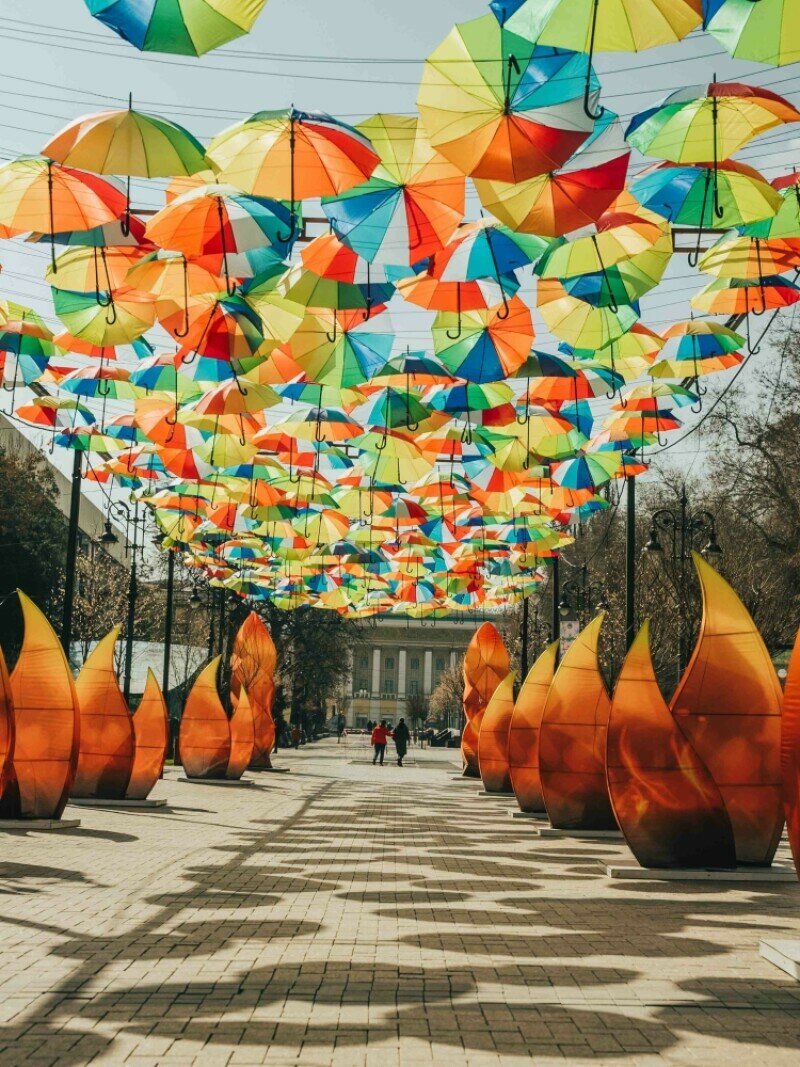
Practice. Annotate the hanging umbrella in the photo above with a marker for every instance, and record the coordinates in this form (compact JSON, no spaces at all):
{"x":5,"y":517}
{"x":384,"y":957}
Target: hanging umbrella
{"x":489,"y":344}
{"x":107,"y":383}
{"x":92,"y":269}
{"x":784,"y":225}
{"x":171,"y":279}
{"x":178,"y":27}
{"x":703,"y":347}
{"x":411,"y":205}
{"x":750,"y":257}
{"x":734,"y":296}
{"x":579,"y":323}
{"x":340,"y":348}
{"x":292,"y":155}
{"x":330,"y":259}
{"x":114,"y":318}
{"x":485,"y":249}
{"x":434,"y":294}
{"x":217,"y":326}
{"x":314,"y":291}
{"x":572,"y":196}
{"x":499,"y":106}
{"x":390,"y":409}
{"x":53,"y":414}
{"x":764,"y":31}
{"x":606,"y":25}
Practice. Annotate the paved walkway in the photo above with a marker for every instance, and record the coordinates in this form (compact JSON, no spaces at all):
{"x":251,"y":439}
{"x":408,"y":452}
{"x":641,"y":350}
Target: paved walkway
{"x":345,"y":914}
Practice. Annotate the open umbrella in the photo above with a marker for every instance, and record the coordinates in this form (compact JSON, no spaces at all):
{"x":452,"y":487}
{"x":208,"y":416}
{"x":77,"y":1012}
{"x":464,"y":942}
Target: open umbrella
{"x":115,"y":318}
{"x":179,"y":27}
{"x":764,"y":31}
{"x":490,"y":344}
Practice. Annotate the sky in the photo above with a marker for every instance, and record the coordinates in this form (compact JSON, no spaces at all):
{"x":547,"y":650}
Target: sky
{"x":351,"y":58}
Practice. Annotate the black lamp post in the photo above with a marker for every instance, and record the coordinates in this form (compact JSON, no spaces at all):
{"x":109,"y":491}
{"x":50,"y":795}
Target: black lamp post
{"x":580,"y":596}
{"x":133,"y":521}
{"x":683,"y":529}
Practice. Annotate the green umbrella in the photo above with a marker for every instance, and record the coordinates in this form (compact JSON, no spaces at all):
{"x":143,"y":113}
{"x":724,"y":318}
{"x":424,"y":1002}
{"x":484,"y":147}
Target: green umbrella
{"x":180,"y":27}
{"x":765,"y":31}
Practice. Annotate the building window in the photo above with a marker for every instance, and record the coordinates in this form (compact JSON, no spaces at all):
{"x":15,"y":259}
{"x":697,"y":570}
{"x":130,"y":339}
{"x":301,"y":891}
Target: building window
{"x":440,"y":663}
{"x":413,"y":687}
{"x":414,"y":663}
{"x":360,"y":685}
{"x":388,"y":685}
{"x":389,"y":664}
{"x":363,"y":661}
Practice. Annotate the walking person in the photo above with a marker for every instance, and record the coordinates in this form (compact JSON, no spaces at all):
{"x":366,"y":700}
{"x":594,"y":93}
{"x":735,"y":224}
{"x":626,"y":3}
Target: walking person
{"x":402,"y":736}
{"x":380,"y":735}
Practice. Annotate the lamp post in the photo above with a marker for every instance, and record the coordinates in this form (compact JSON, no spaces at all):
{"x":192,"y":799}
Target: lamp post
{"x":578,"y":596}
{"x":132,"y":520}
{"x":72,"y":551}
{"x":684,"y":529}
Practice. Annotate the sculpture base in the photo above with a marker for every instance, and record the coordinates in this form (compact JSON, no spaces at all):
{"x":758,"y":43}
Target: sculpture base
{"x":582,"y":835}
{"x":463,"y":778}
{"x":246,"y":782}
{"x":270,"y":770}
{"x":784,"y":954}
{"x":125,"y":802}
{"x":495,"y":796}
{"x":538,"y":815}
{"x":778,"y":872}
{"x":39,"y":824}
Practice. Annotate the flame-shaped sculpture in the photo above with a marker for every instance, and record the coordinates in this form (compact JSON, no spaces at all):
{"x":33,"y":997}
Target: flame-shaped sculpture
{"x":493,"y":738}
{"x":253,"y":663}
{"x":243,"y":737}
{"x":666,"y":803}
{"x":46,"y":724}
{"x":728,"y":704}
{"x":105,"y":753}
{"x":523,"y":735}
{"x":205,"y":733}
{"x":151,"y":737}
{"x":572,"y":739}
{"x":790,"y":753}
{"x":6,"y":724}
{"x":485,"y":666}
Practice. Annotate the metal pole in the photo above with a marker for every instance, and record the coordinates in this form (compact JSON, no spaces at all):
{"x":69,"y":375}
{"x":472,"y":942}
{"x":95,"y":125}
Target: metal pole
{"x":556,"y":617}
{"x":523,"y":659}
{"x":168,"y":622}
{"x":682,"y":580}
{"x":132,"y":591}
{"x":211,"y":637}
{"x":630,"y":563}
{"x":72,"y":550}
{"x":222,"y":606}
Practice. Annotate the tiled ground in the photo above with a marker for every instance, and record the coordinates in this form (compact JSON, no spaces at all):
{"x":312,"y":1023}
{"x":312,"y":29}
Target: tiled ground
{"x":345,"y":914}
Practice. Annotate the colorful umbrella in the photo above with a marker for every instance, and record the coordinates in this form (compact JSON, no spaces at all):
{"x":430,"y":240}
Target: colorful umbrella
{"x":764,"y":31}
{"x":179,"y":27}
{"x":484,"y":345}
{"x":115,"y":318}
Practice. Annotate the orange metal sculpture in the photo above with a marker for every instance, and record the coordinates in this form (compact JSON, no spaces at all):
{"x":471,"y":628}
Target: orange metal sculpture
{"x":485,"y":665}
{"x":243,"y":737}
{"x":205,"y":733}
{"x":493,"y":738}
{"x":105,"y":753}
{"x":666,"y":803}
{"x":523,"y":735}
{"x":253,"y":663}
{"x":728,"y":704}
{"x":6,"y":723}
{"x":790,"y":753}
{"x":572,"y":740}
{"x":46,"y":724}
{"x":151,"y":737}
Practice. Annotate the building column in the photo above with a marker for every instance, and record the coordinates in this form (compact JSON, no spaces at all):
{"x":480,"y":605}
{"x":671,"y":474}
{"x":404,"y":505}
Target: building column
{"x":401,"y":674}
{"x":453,"y":659}
{"x":375,"y":690}
{"x":427,"y":674}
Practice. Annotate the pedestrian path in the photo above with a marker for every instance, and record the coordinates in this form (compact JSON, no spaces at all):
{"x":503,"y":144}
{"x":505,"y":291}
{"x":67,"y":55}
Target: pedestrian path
{"x":348,"y":914}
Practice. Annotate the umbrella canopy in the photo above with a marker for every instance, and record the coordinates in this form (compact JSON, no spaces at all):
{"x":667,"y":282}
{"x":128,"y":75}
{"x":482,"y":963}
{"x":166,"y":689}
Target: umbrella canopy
{"x":91,"y":317}
{"x":179,"y":27}
{"x":749,"y":257}
{"x":606,"y":25}
{"x":410,"y":206}
{"x":500,"y":107}
{"x":484,"y":345}
{"x":734,"y":296}
{"x":765,"y":32}
{"x":342,"y":349}
{"x":579,"y":323}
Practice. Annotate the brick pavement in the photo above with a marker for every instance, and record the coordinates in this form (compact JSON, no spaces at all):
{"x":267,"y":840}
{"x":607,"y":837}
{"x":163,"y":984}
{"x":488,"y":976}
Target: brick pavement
{"x":344,"y":914}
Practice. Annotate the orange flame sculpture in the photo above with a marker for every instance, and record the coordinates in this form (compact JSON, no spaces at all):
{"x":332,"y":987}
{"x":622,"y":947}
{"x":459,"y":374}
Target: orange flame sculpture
{"x":728,"y":704}
{"x":486,"y":664}
{"x":790,"y":753}
{"x":105,"y":753}
{"x":46,"y":724}
{"x":253,"y":663}
{"x":6,"y":723}
{"x":243,"y":737}
{"x":666,"y":803}
{"x":151,"y":737}
{"x":572,"y":740}
{"x":523,"y":734}
{"x":205,"y":733}
{"x":493,"y":738}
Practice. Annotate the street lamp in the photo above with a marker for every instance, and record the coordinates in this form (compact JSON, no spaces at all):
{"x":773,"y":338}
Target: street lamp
{"x":122,"y":511}
{"x":578,"y":596}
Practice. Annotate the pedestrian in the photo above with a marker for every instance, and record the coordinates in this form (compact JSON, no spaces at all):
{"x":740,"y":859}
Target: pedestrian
{"x":296,"y":735}
{"x":401,"y":739}
{"x":380,"y":734}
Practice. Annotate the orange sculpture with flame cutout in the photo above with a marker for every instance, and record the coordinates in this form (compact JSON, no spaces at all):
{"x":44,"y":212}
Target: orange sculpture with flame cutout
{"x":6,"y":723}
{"x":205,"y":733}
{"x":105,"y":753}
{"x":728,"y":704}
{"x":486,"y":664}
{"x":243,"y":737}
{"x":523,"y":735}
{"x":46,"y":724}
{"x":493,"y":738}
{"x":572,"y":739}
{"x":151,"y":737}
{"x":253,"y":663}
{"x":666,"y":803}
{"x":790,"y":753}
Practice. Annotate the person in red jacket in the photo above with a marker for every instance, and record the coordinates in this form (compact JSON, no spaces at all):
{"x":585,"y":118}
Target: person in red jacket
{"x":380,"y":735}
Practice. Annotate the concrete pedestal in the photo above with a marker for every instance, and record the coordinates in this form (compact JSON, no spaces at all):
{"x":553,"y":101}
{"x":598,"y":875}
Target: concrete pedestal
{"x":269,"y":770}
{"x":778,"y":872}
{"x":125,"y":802}
{"x":582,"y":835}
{"x":229,"y":782}
{"x":784,"y":954}
{"x":496,"y":796}
{"x":25,"y":825}
{"x":537,"y":815}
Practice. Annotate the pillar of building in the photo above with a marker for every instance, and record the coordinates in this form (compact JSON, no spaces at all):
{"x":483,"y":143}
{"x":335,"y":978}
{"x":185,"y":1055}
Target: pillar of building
{"x":427,"y":673}
{"x":401,"y":674}
{"x":375,"y":691}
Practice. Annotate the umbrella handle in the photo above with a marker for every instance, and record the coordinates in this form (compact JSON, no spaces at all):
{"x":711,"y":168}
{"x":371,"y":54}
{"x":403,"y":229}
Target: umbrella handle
{"x":101,"y":300}
{"x":694,"y":257}
{"x":53,"y":263}
{"x":125,"y":221}
{"x":505,"y":311}
{"x":588,"y":88}
{"x":457,"y":334}
{"x":383,"y":442}
{"x":186,"y":325}
{"x":111,"y":313}
{"x":240,"y":387}
{"x":331,"y":338}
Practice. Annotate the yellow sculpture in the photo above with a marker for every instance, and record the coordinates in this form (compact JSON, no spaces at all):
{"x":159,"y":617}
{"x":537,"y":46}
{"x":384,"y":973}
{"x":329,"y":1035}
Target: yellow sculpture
{"x":205,"y":733}
{"x":493,"y":738}
{"x":253,"y":661}
{"x":243,"y":737}
{"x":485,"y":665}
{"x":523,"y":735}
{"x":151,"y":735}
{"x":6,"y":724}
